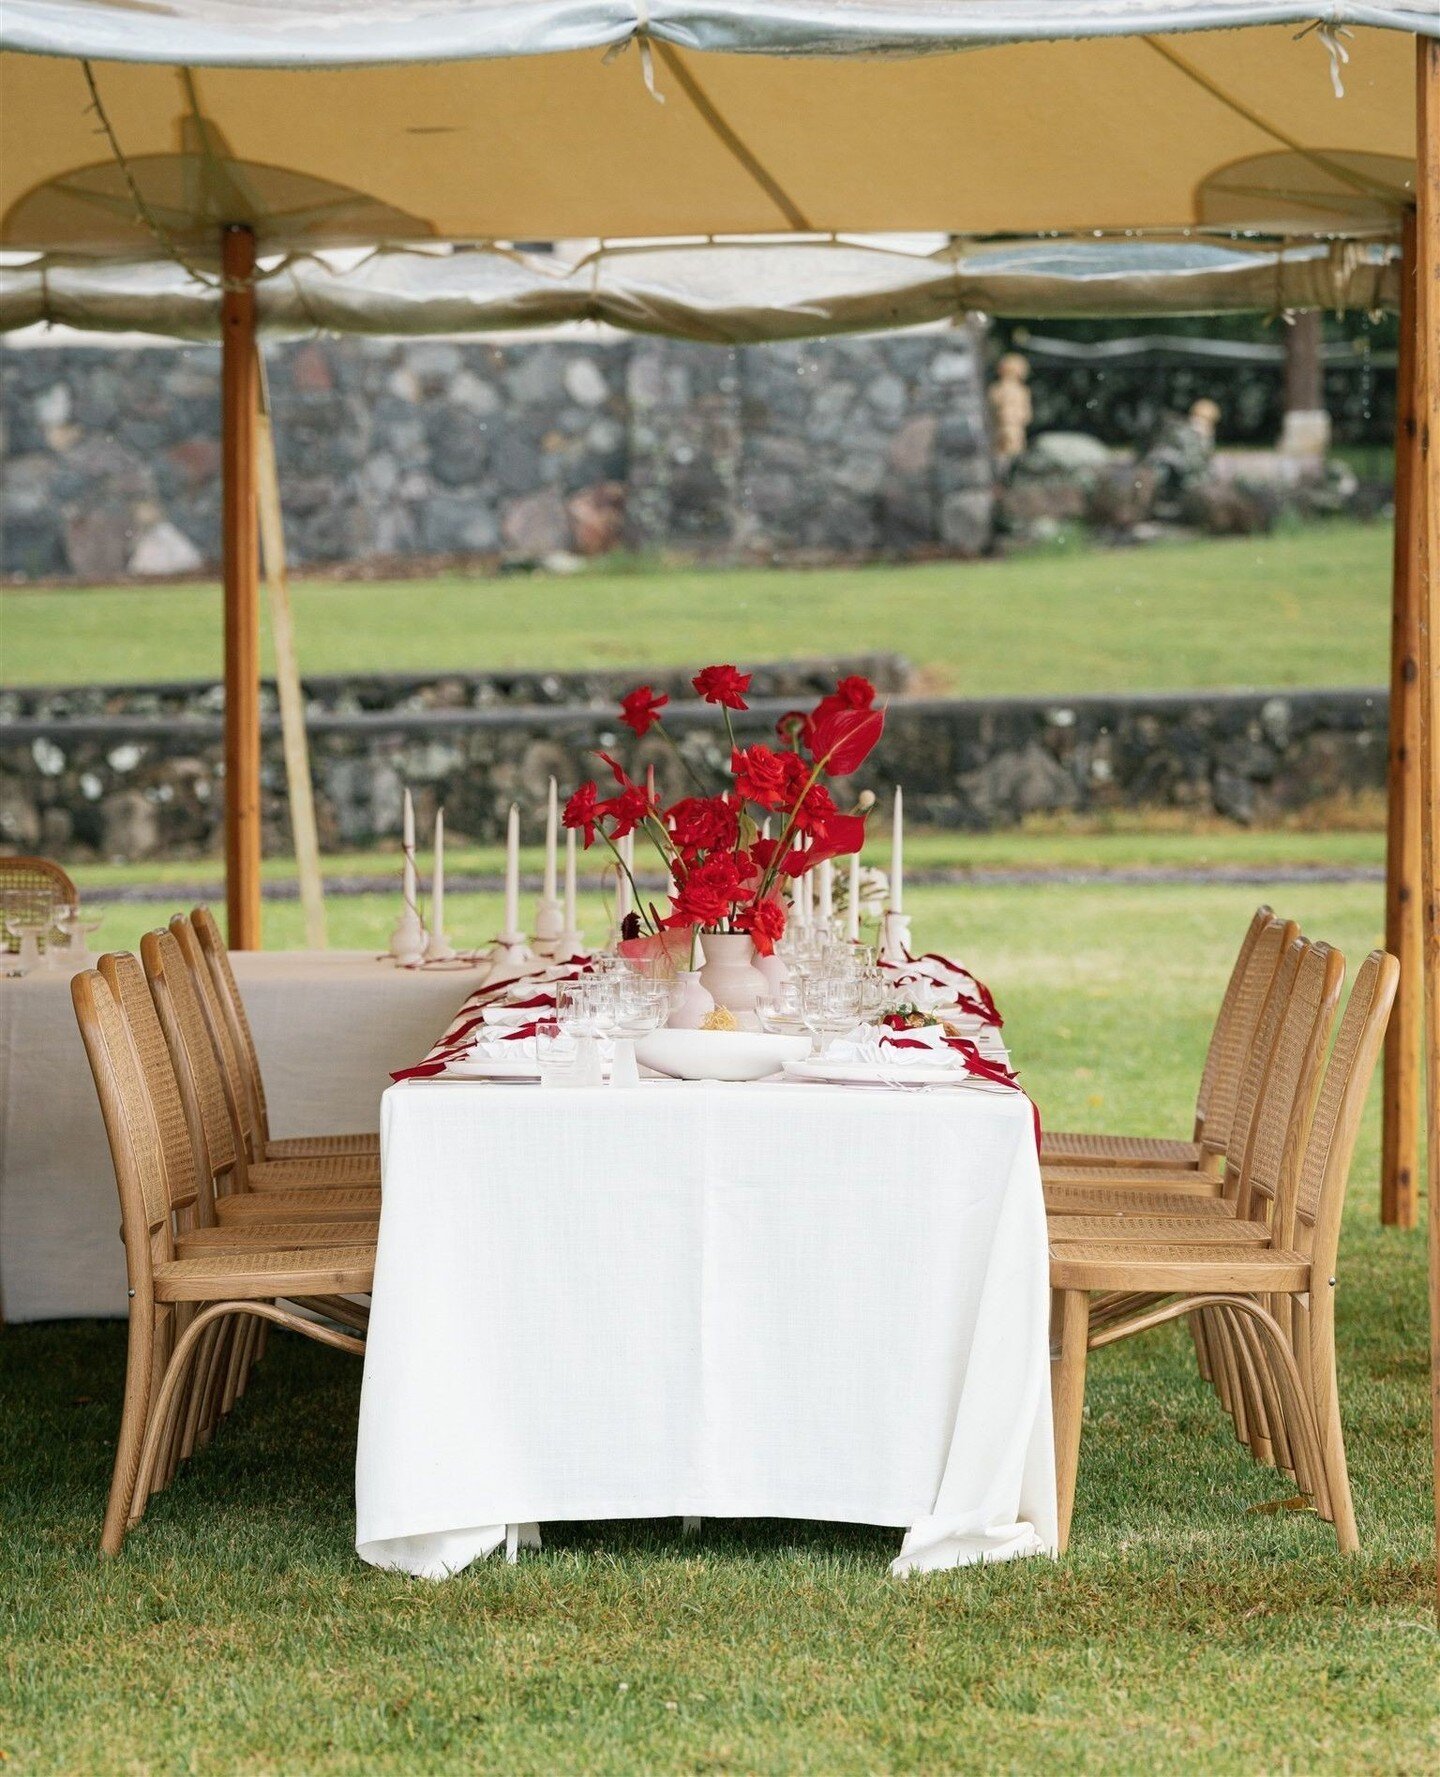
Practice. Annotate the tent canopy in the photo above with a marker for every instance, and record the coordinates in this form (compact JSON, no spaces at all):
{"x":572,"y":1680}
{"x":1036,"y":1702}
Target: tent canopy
{"x":325,"y":124}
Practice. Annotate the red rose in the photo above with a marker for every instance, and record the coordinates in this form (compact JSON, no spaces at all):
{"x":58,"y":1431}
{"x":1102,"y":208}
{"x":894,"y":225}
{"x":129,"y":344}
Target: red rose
{"x":797,"y":775}
{"x":581,"y":812}
{"x":762,"y":855}
{"x":765,"y":922}
{"x":627,"y":810}
{"x":708,"y":892}
{"x":760,"y":775}
{"x":853,"y":693}
{"x":812,"y":814}
{"x":725,"y":685}
{"x":704,"y":823}
{"x":842,"y":739}
{"x":641,"y":708}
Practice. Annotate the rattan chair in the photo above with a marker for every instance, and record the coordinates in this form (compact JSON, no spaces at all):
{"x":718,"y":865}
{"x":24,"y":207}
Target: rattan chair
{"x":335,"y":1167}
{"x":1281,"y":1291}
{"x":307,"y":1190}
{"x":232,"y":1004}
{"x":181,"y":1309}
{"x":1214,"y":1099}
{"x":32,"y":888}
{"x":1267,"y":983}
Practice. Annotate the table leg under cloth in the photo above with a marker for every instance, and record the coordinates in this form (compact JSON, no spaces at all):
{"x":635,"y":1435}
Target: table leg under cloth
{"x":692,"y":1300}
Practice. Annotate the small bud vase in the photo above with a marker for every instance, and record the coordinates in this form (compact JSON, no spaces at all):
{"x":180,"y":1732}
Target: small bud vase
{"x":730,"y":976}
{"x":694,"y":1005}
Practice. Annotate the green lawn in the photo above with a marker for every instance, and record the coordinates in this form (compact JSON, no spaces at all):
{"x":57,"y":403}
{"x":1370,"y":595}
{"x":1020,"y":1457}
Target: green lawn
{"x":1301,"y":608}
{"x":1184,"y":1631}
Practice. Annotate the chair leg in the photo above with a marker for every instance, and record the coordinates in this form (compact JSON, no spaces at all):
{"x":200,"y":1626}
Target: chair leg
{"x":1068,"y":1403}
{"x":1320,"y":1374}
{"x":134,"y":1411}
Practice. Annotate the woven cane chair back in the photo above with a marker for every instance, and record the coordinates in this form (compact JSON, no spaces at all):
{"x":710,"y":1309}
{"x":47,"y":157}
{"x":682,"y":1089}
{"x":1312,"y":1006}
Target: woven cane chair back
{"x":232,"y":1004}
{"x":191,"y":1050}
{"x":1226,"y":1124}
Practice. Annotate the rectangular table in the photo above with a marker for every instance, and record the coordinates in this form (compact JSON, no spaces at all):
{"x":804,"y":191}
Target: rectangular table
{"x":329,"y":1025}
{"x":775,"y":1300}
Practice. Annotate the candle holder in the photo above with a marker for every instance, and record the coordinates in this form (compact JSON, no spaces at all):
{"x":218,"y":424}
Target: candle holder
{"x":407,"y":941}
{"x":511,"y":956}
{"x":439,"y":949}
{"x":569,"y":943}
{"x":549,"y":926}
{"x":895,"y":937}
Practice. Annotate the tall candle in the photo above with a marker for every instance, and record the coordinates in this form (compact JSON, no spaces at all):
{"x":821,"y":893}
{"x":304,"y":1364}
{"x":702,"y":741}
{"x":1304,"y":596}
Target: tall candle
{"x":804,"y":890}
{"x":897,"y":854}
{"x":825,"y":891}
{"x":570,"y":925}
{"x":408,"y":840}
{"x":512,"y":876}
{"x":852,"y":900}
{"x":552,"y":832}
{"x":437,"y":887}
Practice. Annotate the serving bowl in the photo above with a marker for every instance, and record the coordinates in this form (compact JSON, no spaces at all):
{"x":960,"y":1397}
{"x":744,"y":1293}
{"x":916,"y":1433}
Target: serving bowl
{"x":718,"y":1054}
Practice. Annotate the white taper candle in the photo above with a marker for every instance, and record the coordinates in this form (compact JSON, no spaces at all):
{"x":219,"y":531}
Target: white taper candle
{"x":852,"y":900}
{"x":825,"y":891}
{"x":437,"y":885}
{"x":624,"y":900}
{"x":511,"y":933}
{"x":552,"y":837}
{"x":897,"y":854}
{"x":408,"y":840}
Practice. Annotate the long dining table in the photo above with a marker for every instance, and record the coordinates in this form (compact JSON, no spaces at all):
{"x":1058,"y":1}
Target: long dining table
{"x":330,"y":1026}
{"x":702,"y":1300}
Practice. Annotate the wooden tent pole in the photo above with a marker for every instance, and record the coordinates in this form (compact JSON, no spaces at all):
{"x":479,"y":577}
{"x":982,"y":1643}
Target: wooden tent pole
{"x":1404,"y":932}
{"x":1427,"y":494}
{"x":242,"y":590}
{"x":287,"y":669}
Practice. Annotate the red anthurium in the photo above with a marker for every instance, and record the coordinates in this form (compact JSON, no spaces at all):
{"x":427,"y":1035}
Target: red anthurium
{"x":640,"y":709}
{"x":793,"y":729}
{"x":765,"y":922}
{"x":843,"y":739}
{"x":761,"y":775}
{"x":835,"y":837}
{"x":725,"y":685}
{"x":581,"y":812}
{"x":704,"y":823}
{"x":852,"y":693}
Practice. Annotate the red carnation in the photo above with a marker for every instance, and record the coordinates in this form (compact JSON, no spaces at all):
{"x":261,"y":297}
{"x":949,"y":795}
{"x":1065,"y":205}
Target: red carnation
{"x":815,"y":811}
{"x":581,"y":812}
{"x":641,"y":708}
{"x":725,"y":685}
{"x":765,"y":922}
{"x":704,"y":823}
{"x":760,"y":775}
{"x":708,"y":892}
{"x":797,"y":775}
{"x":627,"y":810}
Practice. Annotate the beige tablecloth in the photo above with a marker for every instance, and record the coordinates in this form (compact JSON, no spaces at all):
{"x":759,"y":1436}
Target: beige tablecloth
{"x":329,"y":1025}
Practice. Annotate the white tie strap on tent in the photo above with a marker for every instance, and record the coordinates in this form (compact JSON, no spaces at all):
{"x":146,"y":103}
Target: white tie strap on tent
{"x":720,"y":292}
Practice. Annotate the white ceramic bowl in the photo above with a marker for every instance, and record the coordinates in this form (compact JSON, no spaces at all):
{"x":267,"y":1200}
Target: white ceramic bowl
{"x":718,"y":1054}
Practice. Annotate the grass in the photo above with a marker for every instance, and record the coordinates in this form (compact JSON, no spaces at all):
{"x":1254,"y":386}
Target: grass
{"x":1184,"y":1632}
{"x":1306,"y":607}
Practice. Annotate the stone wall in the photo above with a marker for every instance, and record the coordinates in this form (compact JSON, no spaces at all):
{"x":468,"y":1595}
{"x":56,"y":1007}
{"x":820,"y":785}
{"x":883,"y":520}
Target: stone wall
{"x":135,"y":774}
{"x":400,"y":451}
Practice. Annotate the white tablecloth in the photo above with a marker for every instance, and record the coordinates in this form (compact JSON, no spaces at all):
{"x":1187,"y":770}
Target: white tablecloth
{"x":776,"y":1300}
{"x":330,"y":1026}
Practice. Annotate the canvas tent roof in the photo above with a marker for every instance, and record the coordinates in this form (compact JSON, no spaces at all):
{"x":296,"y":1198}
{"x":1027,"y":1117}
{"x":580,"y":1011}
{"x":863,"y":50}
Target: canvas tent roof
{"x":474,"y":120}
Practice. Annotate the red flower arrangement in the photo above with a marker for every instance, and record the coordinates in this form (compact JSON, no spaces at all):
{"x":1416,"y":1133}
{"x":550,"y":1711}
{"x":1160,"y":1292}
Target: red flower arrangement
{"x":726,"y":876}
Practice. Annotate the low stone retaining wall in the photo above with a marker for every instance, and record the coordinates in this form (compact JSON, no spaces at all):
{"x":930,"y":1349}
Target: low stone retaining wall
{"x":84,"y":773}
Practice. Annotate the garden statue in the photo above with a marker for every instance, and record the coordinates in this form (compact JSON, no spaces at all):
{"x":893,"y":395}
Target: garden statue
{"x":1010,"y":408}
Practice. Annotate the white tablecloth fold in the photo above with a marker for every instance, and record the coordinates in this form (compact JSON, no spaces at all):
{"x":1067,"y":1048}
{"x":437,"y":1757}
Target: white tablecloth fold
{"x":701,"y":1300}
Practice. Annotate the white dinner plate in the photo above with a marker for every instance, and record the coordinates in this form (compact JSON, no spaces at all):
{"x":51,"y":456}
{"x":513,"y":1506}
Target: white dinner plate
{"x":869,"y":1073}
